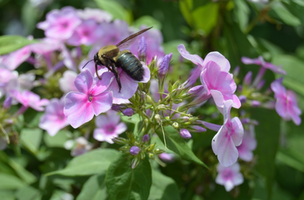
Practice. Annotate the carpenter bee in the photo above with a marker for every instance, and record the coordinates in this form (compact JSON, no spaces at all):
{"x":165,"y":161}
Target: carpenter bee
{"x":111,"y":57}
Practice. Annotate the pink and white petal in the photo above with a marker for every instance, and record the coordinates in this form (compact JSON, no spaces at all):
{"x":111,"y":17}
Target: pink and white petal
{"x":102,"y":103}
{"x":128,"y":87}
{"x":84,"y":81}
{"x":281,"y":108}
{"x":52,"y":124}
{"x":73,"y":102}
{"x":147,"y":74}
{"x":228,"y":185}
{"x":245,"y":154}
{"x":120,"y":101}
{"x":219,"y":59}
{"x":102,"y":85}
{"x":102,"y":120}
{"x":218,"y":99}
{"x":249,"y":61}
{"x":14,"y":59}
{"x":237,"y":131}
{"x":278,"y":89}
{"x":120,"y":128}
{"x":193,"y":58}
{"x":113,"y":117}
{"x":99,"y":134}
{"x":81,"y":116}
{"x":237,"y":179}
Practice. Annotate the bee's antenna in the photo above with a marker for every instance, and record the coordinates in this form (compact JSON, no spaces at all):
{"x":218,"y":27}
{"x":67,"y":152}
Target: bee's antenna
{"x":87,"y":63}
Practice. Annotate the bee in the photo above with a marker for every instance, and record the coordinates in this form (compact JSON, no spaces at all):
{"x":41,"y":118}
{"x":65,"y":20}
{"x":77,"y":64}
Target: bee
{"x":111,"y":57}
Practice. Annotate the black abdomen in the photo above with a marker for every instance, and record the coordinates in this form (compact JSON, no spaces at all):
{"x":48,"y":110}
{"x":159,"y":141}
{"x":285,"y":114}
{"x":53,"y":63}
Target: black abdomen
{"x":131,"y":65}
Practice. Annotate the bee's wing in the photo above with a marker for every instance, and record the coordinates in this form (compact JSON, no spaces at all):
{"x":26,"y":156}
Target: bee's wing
{"x":129,"y":40}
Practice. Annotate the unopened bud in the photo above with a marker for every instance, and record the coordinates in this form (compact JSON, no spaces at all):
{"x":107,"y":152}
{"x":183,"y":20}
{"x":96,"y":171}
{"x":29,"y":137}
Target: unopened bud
{"x":150,"y":147}
{"x":164,"y":65}
{"x":151,"y":156}
{"x":260,"y":84}
{"x":243,"y":99}
{"x":158,"y":151}
{"x":175,"y":125}
{"x":135,"y":162}
{"x":198,"y":128}
{"x":158,"y":118}
{"x":146,"y":138}
{"x":128,"y":112}
{"x":255,"y":103}
{"x":120,"y":140}
{"x":184,"y":133}
{"x":142,"y":49}
{"x":248,"y":78}
{"x":7,"y":102}
{"x":134,"y":150}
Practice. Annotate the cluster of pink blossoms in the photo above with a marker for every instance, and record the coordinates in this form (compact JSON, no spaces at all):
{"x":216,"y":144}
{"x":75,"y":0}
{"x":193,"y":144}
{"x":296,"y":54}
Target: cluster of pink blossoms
{"x":84,"y":96}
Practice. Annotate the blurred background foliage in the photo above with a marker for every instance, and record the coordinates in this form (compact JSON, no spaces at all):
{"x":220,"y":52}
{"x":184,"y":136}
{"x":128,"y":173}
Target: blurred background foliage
{"x":235,"y":28}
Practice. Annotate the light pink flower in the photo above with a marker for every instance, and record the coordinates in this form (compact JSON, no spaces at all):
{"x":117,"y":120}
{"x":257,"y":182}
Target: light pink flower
{"x":108,"y":127}
{"x":60,"y":24}
{"x":91,"y":99}
{"x":229,"y":176}
{"x":286,"y":102}
{"x":53,"y":119}
{"x":14,"y":59}
{"x":86,"y":33}
{"x":228,"y":137}
{"x":248,"y":145}
{"x":128,"y":85}
{"x":216,"y":57}
{"x":95,"y":14}
{"x":66,"y":82}
{"x":113,"y":33}
{"x":30,"y":99}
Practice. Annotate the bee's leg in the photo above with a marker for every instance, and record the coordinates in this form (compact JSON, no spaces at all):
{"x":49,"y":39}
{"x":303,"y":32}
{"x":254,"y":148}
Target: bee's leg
{"x":97,"y":71}
{"x":115,"y":72}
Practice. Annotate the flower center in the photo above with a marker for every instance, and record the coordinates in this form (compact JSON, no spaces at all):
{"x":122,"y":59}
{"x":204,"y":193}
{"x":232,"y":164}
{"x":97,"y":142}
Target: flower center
{"x":110,"y":129}
{"x":227,"y":175}
{"x":90,"y":98}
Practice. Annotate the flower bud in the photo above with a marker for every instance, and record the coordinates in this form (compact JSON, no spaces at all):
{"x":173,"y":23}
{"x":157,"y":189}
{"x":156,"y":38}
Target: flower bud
{"x":158,"y":151}
{"x":167,"y":157}
{"x":128,"y":112}
{"x":164,"y":65}
{"x":146,"y":138}
{"x":236,"y":71}
{"x":120,"y":140}
{"x":134,"y":150}
{"x":151,"y":156}
{"x":248,"y":78}
{"x":142,"y":49}
{"x":158,"y":118}
{"x":184,"y":133}
{"x":255,"y":103}
{"x":150,"y":147}
{"x":135,"y":162}
{"x":198,"y":128}
{"x":260,"y":84}
{"x":7,"y":102}
{"x":242,"y":99}
{"x":175,"y":125}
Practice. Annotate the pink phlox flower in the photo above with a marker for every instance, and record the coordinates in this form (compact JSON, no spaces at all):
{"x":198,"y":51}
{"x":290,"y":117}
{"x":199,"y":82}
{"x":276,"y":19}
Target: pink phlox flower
{"x":30,"y":99}
{"x":108,"y":127}
{"x":229,"y":176}
{"x":216,"y":57}
{"x":60,"y":24}
{"x":128,"y":85}
{"x":167,"y":157}
{"x":228,"y":137}
{"x":14,"y":59}
{"x":53,"y":119}
{"x":286,"y":102}
{"x":220,"y":84}
{"x":113,"y":33}
{"x":90,"y":99}
{"x":249,"y":144}
{"x":85,"y":34}
{"x":95,"y":14}
{"x":68,"y":59}
{"x":66,"y":82}
{"x":46,"y":46}
{"x":260,"y":61}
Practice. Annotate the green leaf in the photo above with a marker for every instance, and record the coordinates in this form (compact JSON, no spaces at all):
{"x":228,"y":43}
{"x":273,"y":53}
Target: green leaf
{"x":294,"y":69}
{"x":178,"y":144}
{"x":296,"y":7}
{"x":267,"y":135}
{"x":28,"y":193}
{"x":134,"y":119}
{"x":205,"y":17}
{"x":148,"y":21}
{"x":115,"y":9}
{"x":57,"y":140}
{"x":237,"y":44}
{"x":186,"y":7}
{"x":125,"y":183}
{"x":198,"y":3}
{"x":94,"y":188}
{"x":279,"y":12}
{"x":31,"y":139}
{"x":163,"y":187}
{"x":93,"y":162}
{"x":9,"y":43}
{"x":7,"y":194}
{"x":291,"y":160}
{"x":241,"y":12}
{"x":9,"y":182}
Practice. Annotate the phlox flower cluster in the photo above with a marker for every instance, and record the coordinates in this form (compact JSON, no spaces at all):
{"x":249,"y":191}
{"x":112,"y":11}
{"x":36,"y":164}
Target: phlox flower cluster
{"x":75,"y":96}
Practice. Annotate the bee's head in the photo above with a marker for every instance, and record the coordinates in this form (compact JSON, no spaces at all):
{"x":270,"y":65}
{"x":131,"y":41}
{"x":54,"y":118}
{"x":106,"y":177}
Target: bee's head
{"x":96,"y":58}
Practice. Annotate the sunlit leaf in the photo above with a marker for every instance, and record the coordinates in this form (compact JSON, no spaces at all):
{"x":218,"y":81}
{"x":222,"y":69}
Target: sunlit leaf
{"x":94,"y":188}
{"x":9,"y":43}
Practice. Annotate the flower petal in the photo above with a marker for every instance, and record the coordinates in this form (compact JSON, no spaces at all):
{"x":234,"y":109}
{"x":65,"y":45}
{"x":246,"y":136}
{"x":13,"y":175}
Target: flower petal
{"x":84,"y":81}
